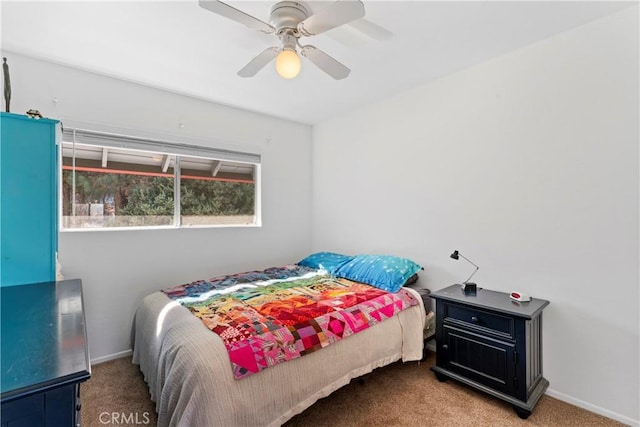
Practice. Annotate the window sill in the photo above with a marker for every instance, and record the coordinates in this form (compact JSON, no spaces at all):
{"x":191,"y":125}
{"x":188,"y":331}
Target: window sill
{"x":167,"y":227}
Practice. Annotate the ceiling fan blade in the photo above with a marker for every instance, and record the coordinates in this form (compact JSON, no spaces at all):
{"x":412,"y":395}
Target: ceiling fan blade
{"x":259,"y":62}
{"x":337,"y":13}
{"x":326,"y":63}
{"x":359,"y":33}
{"x":237,"y":15}
{"x":371,"y":29}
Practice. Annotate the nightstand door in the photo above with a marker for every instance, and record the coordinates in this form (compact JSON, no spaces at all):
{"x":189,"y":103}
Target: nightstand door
{"x":486,"y":360}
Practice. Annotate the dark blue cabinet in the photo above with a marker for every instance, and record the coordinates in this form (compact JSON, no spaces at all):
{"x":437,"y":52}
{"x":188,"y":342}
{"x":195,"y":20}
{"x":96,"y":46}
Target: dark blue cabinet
{"x":28,"y":199}
{"x":491,"y":343}
{"x":44,"y":354}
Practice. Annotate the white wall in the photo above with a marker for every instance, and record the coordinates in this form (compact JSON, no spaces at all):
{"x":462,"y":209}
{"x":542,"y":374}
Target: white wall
{"x":119,"y":267}
{"x":528,"y":164}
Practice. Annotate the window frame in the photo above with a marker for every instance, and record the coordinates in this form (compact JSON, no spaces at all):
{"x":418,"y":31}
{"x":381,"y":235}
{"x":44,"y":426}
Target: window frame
{"x":166,"y":146}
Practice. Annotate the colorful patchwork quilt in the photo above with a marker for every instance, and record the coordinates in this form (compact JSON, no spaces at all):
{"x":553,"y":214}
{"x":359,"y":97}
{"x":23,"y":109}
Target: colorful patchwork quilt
{"x":282,"y":313}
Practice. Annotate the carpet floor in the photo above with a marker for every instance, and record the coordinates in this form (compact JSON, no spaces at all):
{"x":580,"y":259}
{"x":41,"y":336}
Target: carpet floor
{"x":401,"y":394}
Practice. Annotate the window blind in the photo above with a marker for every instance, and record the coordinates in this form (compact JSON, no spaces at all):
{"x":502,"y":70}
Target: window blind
{"x":112,"y":140}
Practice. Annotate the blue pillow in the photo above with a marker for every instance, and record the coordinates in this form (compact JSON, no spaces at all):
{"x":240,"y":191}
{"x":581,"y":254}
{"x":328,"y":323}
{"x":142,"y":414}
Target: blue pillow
{"x":329,"y":261}
{"x":385,"y":272}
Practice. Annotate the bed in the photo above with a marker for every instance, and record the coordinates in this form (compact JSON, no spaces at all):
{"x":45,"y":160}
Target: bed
{"x":194,"y":382}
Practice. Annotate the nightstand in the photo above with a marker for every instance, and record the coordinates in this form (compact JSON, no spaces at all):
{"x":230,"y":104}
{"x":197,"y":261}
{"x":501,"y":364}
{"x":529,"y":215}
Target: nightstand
{"x":492,"y":343}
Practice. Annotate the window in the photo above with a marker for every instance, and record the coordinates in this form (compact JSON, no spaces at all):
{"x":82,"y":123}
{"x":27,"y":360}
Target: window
{"x":112,"y":181}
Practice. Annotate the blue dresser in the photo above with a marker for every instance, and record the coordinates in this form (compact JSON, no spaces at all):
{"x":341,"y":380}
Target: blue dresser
{"x":28,"y":199}
{"x":44,"y":354}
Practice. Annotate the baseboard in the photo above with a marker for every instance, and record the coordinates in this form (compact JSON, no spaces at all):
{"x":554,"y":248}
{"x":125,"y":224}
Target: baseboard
{"x":431,"y":345}
{"x":592,"y":408}
{"x":109,"y":357}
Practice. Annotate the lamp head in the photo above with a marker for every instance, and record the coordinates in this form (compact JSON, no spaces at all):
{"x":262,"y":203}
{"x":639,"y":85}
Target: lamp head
{"x":454,"y":255}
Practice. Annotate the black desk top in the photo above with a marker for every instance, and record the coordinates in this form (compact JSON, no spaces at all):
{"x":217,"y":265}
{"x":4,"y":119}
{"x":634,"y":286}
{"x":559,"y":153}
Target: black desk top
{"x":493,"y":300}
{"x":43,"y":338}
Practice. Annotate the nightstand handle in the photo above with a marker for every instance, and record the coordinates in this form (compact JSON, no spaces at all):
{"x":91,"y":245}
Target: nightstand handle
{"x":474,"y":319}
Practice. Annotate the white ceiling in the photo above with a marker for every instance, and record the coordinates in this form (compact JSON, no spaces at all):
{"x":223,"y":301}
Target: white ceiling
{"x":184,"y":48}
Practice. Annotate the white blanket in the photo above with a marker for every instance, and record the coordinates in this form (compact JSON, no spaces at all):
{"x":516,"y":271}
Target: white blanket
{"x":189,"y":374}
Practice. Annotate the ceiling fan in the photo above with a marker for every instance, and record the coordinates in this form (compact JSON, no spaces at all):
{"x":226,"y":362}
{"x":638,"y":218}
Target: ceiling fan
{"x":290,"y":20}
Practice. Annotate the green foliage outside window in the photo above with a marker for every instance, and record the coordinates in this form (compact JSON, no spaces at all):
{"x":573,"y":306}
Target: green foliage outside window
{"x":137,"y":195}
{"x":199,"y":198}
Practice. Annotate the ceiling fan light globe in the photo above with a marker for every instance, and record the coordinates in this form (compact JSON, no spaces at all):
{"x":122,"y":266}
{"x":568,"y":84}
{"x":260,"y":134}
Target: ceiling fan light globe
{"x":288,"y":64}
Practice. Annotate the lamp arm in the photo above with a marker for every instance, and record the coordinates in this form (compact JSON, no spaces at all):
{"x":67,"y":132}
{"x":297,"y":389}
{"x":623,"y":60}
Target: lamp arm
{"x":474,"y":272}
{"x":469,"y":261}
